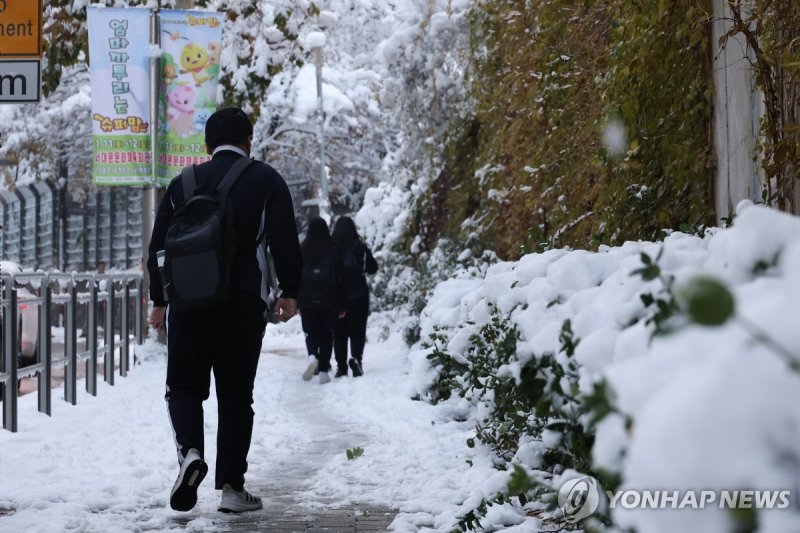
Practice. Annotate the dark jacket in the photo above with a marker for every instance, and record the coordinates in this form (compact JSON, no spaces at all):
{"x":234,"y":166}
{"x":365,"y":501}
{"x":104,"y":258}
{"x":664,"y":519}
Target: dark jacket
{"x":261,"y":199}
{"x":337,"y":285}
{"x":357,"y":260}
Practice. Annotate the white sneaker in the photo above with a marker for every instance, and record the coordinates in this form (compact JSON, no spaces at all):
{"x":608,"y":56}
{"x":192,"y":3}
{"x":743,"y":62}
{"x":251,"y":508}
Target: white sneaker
{"x":324,"y":378}
{"x":184,"y":493}
{"x":311,"y":368}
{"x":238,"y":501}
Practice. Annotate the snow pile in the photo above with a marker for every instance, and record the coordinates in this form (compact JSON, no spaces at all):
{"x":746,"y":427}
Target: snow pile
{"x":702,"y":408}
{"x":315,"y":39}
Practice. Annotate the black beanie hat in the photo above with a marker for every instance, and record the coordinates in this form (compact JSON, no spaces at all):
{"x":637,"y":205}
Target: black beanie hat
{"x":228,"y":126}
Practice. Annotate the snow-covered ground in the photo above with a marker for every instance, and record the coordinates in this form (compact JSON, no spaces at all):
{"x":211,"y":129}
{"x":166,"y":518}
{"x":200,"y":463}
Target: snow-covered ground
{"x":108,"y":463}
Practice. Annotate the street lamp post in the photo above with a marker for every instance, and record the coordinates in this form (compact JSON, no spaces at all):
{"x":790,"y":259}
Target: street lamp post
{"x":317,"y":42}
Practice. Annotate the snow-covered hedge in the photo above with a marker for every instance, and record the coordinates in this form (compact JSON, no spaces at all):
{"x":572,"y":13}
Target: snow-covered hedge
{"x":682,"y":406}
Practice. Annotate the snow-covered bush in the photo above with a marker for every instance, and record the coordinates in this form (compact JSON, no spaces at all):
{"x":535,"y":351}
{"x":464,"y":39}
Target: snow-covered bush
{"x":670,"y":363}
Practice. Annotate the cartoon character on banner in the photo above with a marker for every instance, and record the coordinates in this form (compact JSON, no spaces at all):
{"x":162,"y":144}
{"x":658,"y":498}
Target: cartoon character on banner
{"x":194,"y":60}
{"x":213,"y":67}
{"x":180,"y":110}
{"x":201,"y":116}
{"x":213,"y":53}
{"x":169,"y":71}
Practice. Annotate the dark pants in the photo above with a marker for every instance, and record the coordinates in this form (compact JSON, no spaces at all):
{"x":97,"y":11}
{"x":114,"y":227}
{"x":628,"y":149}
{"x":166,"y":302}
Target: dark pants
{"x":351,"y":328}
{"x":227,"y":340}
{"x":318,"y":327}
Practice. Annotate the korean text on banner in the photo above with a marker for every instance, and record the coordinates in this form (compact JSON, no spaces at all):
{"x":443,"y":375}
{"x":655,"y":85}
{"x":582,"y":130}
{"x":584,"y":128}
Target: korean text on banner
{"x":119,"y":44}
{"x":190,"y":43}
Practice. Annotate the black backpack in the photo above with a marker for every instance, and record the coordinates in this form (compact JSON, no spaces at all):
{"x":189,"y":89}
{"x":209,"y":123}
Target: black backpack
{"x":350,"y":260}
{"x":354,"y":272}
{"x":318,"y":284}
{"x":200,"y":244}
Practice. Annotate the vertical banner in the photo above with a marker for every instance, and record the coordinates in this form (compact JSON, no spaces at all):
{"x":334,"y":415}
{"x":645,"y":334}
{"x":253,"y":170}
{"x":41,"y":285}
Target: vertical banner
{"x":190,"y":45}
{"x":119,"y":44}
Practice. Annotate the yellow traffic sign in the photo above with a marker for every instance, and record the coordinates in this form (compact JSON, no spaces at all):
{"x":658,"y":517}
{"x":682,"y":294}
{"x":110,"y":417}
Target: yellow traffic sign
{"x":21,"y":28}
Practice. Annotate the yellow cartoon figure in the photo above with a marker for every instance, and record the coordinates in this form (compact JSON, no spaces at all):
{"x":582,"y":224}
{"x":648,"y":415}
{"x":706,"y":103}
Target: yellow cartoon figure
{"x":194,"y":59}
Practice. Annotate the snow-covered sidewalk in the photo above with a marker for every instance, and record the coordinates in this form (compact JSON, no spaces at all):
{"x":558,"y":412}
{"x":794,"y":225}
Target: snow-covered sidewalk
{"x":108,"y":463}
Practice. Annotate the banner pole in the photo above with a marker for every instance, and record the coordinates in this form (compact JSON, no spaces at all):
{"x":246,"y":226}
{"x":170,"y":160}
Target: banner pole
{"x":149,"y":197}
{"x":155,"y":74}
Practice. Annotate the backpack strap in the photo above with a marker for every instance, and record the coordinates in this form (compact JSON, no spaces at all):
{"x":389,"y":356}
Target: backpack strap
{"x":233,"y":174}
{"x":352,"y":252}
{"x":189,"y":182}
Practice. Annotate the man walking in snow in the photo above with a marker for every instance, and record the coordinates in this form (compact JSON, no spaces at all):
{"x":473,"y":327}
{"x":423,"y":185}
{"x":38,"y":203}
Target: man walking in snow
{"x":225,"y":338}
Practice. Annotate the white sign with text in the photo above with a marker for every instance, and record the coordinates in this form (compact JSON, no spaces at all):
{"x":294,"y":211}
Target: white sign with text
{"x":20,"y":81}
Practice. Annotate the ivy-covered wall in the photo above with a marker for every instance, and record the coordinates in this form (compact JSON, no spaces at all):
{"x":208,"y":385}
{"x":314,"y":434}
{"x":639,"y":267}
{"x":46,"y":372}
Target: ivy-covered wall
{"x":550,"y":78}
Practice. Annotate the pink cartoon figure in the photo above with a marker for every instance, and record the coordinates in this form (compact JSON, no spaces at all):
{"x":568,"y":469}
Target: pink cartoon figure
{"x":180,"y":110}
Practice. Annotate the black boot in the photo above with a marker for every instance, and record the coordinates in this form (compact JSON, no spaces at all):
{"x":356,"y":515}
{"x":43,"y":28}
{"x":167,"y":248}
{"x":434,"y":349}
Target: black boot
{"x":341,"y":372}
{"x":355,"y":366}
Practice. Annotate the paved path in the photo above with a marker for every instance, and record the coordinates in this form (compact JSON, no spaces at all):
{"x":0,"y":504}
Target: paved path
{"x":288,"y":479}
{"x":335,"y":521}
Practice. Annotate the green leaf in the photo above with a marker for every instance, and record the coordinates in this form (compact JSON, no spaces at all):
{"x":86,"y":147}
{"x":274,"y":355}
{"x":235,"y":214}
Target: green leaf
{"x":519,"y":482}
{"x":354,"y":453}
{"x":707,"y":300}
{"x":651,"y":272}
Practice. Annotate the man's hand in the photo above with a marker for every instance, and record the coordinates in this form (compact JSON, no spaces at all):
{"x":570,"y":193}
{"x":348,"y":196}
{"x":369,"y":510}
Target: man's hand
{"x":342,"y":314}
{"x":158,"y":317}
{"x":285,"y":308}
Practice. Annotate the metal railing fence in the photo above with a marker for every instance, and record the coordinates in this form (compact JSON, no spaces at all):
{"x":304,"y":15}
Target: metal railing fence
{"x":84,"y":302}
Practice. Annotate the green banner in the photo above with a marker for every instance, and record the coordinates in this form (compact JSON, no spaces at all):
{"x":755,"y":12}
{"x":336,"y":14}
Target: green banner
{"x":121,"y":159}
{"x":190,"y":43}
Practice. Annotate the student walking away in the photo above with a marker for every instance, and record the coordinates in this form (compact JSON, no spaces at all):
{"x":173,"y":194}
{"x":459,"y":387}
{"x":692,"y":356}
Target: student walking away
{"x":357,"y":260}
{"x":210,"y":239}
{"x":321,"y":297}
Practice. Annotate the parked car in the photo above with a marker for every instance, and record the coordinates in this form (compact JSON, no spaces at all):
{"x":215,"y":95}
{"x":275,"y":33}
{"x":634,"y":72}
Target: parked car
{"x":27,"y":321}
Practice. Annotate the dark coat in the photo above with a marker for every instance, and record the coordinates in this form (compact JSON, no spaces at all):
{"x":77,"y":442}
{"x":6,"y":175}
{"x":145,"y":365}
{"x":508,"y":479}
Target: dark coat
{"x":358,"y":261}
{"x":261,"y":199}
